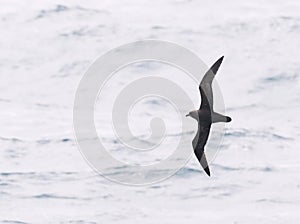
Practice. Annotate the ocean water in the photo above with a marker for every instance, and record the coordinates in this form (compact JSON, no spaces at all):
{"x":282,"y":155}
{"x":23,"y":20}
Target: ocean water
{"x":46,"y":46}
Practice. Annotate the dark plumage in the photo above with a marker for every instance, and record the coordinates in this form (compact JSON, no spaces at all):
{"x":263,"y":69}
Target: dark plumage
{"x":206,"y":115}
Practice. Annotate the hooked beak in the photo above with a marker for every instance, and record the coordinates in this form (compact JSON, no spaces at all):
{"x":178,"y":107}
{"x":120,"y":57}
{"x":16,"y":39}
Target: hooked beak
{"x":187,"y":115}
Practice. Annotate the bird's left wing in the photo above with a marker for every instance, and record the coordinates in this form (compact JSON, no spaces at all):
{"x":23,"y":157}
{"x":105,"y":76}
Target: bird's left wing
{"x":198,"y":144}
{"x":205,"y":86}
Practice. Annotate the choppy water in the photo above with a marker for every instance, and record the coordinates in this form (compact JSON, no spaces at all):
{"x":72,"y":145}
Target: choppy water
{"x":47,"y":45}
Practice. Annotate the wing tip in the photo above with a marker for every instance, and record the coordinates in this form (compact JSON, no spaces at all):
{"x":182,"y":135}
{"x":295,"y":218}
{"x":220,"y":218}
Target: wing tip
{"x":220,"y":60}
{"x":207,"y":171}
{"x":215,"y":67}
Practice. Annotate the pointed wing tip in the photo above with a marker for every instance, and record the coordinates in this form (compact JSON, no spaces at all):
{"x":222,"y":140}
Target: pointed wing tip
{"x":207,"y":171}
{"x":215,"y":67}
{"x":220,"y":60}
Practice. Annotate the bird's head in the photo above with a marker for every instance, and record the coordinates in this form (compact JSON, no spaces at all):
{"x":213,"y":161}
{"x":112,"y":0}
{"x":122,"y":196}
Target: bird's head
{"x":194,"y":114}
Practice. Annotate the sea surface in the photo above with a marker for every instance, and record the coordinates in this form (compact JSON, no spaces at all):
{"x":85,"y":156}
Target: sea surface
{"x":45,"y":48}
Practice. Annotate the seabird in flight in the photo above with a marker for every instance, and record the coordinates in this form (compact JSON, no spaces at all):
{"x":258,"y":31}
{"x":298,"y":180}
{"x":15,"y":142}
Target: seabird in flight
{"x":206,"y":115}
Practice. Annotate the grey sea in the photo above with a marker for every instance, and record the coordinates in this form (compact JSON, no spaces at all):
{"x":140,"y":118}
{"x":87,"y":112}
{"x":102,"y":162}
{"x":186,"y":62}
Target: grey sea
{"x":45,"y":48}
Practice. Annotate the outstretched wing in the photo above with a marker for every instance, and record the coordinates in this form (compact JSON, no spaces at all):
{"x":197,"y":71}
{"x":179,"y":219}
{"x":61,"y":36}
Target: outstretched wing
{"x":206,"y":88}
{"x":198,"y":144}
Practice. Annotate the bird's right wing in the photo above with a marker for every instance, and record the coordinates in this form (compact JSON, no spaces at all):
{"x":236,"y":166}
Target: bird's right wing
{"x":205,"y":86}
{"x":198,"y":144}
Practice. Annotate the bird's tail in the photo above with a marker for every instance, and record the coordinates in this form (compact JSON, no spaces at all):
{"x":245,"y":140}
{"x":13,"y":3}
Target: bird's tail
{"x":216,"y":117}
{"x":228,"y":119}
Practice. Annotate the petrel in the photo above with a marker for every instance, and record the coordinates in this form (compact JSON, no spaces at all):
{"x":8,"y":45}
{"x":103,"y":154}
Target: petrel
{"x":205,"y":116}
